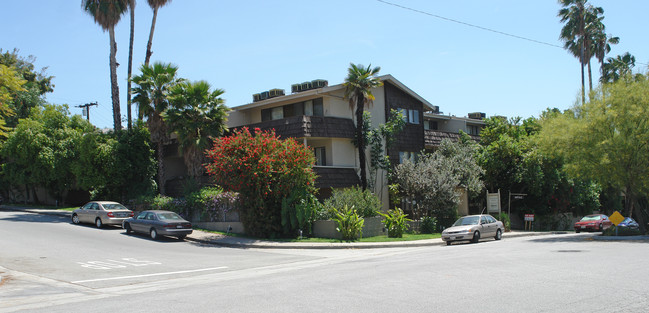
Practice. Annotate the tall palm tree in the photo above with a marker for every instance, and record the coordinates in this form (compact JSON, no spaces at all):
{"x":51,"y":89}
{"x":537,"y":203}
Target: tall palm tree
{"x":131,"y":5}
{"x":358,"y":89}
{"x":155,"y":5}
{"x":196,"y":115}
{"x":577,"y":33}
{"x":602,"y":44}
{"x":107,"y":14}
{"x":151,"y":96}
{"x":614,"y":68}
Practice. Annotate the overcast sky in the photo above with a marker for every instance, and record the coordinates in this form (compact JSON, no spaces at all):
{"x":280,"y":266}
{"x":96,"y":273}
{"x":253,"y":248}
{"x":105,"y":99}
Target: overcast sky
{"x":249,"y":46}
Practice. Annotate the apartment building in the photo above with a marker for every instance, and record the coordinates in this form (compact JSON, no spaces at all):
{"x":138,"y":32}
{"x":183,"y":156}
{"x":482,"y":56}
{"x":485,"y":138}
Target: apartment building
{"x":319,"y":116}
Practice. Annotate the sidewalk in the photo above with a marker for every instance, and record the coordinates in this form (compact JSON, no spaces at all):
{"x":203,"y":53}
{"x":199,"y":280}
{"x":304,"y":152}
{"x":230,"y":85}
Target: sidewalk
{"x":238,"y":242}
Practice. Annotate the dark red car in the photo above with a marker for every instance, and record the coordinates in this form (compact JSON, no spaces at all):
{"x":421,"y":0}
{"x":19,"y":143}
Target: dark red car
{"x":593,"y":222}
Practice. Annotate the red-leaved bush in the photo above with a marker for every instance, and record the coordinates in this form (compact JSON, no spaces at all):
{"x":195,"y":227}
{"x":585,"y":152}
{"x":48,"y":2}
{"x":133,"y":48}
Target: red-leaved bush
{"x":263,"y":169}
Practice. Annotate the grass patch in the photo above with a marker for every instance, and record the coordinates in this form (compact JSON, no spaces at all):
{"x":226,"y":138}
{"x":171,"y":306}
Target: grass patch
{"x":384,"y":238}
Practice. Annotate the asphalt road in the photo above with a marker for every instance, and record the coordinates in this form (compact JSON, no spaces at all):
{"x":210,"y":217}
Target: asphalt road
{"x":50,"y":265}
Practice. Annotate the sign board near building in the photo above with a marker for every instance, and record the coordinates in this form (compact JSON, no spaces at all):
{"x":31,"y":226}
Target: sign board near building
{"x":493,"y":202}
{"x":529,"y":217}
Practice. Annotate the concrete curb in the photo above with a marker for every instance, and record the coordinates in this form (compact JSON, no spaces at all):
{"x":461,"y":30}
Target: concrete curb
{"x":232,"y":242}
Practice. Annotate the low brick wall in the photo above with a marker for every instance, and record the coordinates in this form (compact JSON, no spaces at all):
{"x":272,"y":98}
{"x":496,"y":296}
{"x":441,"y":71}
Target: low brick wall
{"x":327,"y":229}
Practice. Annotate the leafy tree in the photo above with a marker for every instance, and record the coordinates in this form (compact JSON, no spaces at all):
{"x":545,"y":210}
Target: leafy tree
{"x":264,"y":170}
{"x":10,"y":84}
{"x":358,"y":89}
{"x":34,"y":85}
{"x":375,"y":137}
{"x":42,"y":150}
{"x":151,"y":95}
{"x":107,"y":14}
{"x":196,"y":115}
{"x":155,"y":5}
{"x":607,"y":138}
{"x":117,"y":166}
{"x":432,"y":180}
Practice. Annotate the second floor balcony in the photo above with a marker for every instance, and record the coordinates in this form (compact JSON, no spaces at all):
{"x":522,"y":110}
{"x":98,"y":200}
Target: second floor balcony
{"x":309,"y":126}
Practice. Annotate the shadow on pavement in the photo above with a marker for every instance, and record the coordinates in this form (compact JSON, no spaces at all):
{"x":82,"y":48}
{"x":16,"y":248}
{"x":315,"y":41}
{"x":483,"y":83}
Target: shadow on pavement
{"x":591,"y":237}
{"x":34,"y":218}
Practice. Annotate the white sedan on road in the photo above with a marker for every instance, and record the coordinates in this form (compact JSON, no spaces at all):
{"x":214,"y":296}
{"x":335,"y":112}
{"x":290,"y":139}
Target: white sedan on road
{"x":472,"y":228}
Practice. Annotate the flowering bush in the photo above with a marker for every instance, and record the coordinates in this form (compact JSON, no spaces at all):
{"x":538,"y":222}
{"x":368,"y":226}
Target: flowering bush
{"x":263,"y":169}
{"x":217,"y":206}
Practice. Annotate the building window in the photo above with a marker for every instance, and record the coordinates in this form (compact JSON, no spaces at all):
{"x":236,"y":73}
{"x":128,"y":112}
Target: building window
{"x":413,"y":117}
{"x":473,"y":129}
{"x":410,"y":116}
{"x":320,"y":156}
{"x":432,"y":125}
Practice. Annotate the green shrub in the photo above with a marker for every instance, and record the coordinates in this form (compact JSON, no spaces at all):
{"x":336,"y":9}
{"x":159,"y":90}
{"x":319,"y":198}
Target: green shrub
{"x":179,"y":206}
{"x":428,"y":225}
{"x":396,"y":222}
{"x":350,"y":223}
{"x":504,"y":217}
{"x":365,"y":202}
{"x":264,"y":170}
{"x":299,"y":210}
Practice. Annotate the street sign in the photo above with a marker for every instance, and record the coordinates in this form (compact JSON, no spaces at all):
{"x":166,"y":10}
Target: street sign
{"x":529,"y":217}
{"x":616,"y":218}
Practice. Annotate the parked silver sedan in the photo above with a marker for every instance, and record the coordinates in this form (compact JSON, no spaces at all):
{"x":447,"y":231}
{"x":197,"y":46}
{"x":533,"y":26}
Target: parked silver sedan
{"x":472,"y":228}
{"x":101,"y":213}
{"x":157,"y":222}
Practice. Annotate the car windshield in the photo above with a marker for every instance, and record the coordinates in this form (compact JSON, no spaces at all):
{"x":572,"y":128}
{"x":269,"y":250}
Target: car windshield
{"x":628,"y":220}
{"x":114,"y":206}
{"x":468,"y":220}
{"x":591,"y":218}
{"x":169,"y":216}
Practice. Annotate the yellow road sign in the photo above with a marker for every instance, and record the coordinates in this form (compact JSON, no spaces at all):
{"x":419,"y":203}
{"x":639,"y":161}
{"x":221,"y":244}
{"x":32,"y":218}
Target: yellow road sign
{"x":616,"y":218}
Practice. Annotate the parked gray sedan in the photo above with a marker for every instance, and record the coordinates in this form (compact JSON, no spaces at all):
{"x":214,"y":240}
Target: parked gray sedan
{"x":101,"y":213}
{"x":156,"y":223}
{"x":472,"y":228}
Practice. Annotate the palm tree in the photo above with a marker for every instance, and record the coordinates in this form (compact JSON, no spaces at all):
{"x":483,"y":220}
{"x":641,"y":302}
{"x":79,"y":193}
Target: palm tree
{"x":196,"y":115}
{"x":107,"y":14}
{"x":151,"y":96}
{"x":577,"y":33}
{"x":131,"y":5}
{"x":614,"y":68}
{"x":602,"y":44}
{"x":358,"y":89}
{"x":155,"y":5}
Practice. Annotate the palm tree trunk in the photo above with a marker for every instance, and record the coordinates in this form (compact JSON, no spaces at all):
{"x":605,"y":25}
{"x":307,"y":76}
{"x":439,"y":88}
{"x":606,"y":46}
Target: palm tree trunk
{"x":148,"y":45}
{"x":161,"y":168}
{"x":130,"y":65}
{"x":360,"y":105}
{"x":590,"y":78}
{"x":117,"y":120}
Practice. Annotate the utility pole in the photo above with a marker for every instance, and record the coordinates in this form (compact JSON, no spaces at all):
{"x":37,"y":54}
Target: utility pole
{"x":86,"y":109}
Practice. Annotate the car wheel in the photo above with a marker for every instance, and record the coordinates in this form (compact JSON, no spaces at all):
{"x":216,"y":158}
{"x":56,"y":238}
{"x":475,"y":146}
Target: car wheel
{"x":448,"y":243}
{"x":75,"y":219}
{"x":98,"y":223}
{"x":153,"y":233}
{"x":182,"y":237}
{"x":476,"y":237}
{"x":127,"y":227}
{"x":499,"y":234}
{"x":601,"y":227}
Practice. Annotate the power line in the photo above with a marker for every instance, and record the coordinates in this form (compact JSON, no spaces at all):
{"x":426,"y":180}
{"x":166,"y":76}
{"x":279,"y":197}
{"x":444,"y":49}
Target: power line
{"x":470,"y":25}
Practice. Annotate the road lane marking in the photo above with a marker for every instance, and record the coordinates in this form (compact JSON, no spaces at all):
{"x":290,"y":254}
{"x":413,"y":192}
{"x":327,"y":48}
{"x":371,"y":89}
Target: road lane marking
{"x":112,"y":264}
{"x":149,"y":275}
